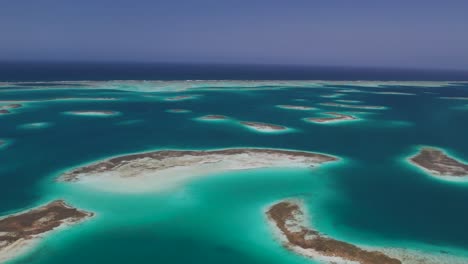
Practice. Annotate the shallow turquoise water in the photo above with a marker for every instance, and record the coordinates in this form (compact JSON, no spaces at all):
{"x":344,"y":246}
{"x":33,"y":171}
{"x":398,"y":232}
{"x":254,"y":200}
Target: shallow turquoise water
{"x":371,"y":197}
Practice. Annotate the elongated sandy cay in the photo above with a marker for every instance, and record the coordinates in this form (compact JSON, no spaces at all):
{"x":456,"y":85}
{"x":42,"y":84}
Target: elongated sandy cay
{"x":157,"y":170}
{"x":288,"y":218}
{"x":18,"y":232}
{"x":291,"y":223}
{"x":336,"y":117}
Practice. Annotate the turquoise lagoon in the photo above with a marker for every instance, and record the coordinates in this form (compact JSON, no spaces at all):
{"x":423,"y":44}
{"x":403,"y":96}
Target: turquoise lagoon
{"x":370,"y":197}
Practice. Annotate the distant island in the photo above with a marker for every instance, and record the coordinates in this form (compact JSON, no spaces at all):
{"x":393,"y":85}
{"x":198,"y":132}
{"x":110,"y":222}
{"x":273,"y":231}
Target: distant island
{"x":180,"y":98}
{"x":263,"y":127}
{"x":19,"y":231}
{"x":93,"y":113}
{"x":251,"y":125}
{"x":296,"y":107}
{"x":213,"y":117}
{"x":437,"y":162}
{"x":178,"y":111}
{"x":336,"y":117}
{"x":348,"y":101}
{"x":373,"y":107}
{"x":5,"y":109}
{"x":454,"y":98}
{"x":335,"y":95}
{"x":36,"y":125}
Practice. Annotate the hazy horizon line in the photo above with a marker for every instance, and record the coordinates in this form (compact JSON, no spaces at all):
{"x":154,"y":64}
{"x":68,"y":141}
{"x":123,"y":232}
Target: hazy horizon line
{"x":227,"y":64}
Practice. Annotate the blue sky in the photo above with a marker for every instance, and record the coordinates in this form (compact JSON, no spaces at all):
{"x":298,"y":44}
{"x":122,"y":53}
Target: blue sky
{"x":398,"y":33}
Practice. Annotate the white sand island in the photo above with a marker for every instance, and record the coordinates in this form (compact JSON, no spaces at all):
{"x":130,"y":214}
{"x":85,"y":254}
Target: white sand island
{"x":296,"y":107}
{"x":181,"y":97}
{"x":178,"y":111}
{"x":371,"y":107}
{"x":290,"y":221}
{"x":213,"y":118}
{"x":335,"y":117}
{"x":95,"y":113}
{"x":264,"y":127}
{"x":165,"y":169}
{"x":259,"y":127}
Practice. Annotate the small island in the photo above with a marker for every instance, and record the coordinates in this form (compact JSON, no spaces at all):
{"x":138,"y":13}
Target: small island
{"x":213,"y":118}
{"x":19,"y":231}
{"x":287,"y":217}
{"x":438,"y":163}
{"x":348,"y":101}
{"x":263,"y":127}
{"x":373,"y":107}
{"x":349,"y":91}
{"x":163,"y":169}
{"x":12,"y":106}
{"x":93,"y":113}
{"x":178,"y":111}
{"x":335,"y":95}
{"x":180,"y":98}
{"x":5,"y":109}
{"x":337,"y":117}
{"x":296,"y":107}
{"x":36,"y":125}
{"x":393,"y":93}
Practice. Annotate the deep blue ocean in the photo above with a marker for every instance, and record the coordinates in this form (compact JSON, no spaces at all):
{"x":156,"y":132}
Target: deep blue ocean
{"x":72,"y":71}
{"x":371,"y":197}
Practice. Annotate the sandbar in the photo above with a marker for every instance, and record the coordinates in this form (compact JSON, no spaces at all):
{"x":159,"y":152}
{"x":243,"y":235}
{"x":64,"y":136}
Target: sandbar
{"x":296,"y":107}
{"x":439,"y":163}
{"x":454,"y":98}
{"x":19,"y":231}
{"x":374,"y":107}
{"x":93,"y":113}
{"x":213,"y":118}
{"x":263,"y":127}
{"x":252,"y":126}
{"x":331,"y":95}
{"x":288,"y":218}
{"x":393,"y":93}
{"x":348,"y":101}
{"x":130,"y":122}
{"x":180,"y":98}
{"x":5,"y":109}
{"x":337,"y":117}
{"x":349,"y":91}
{"x":36,"y":125}
{"x":11,"y":106}
{"x":165,"y":169}
{"x":178,"y":111}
